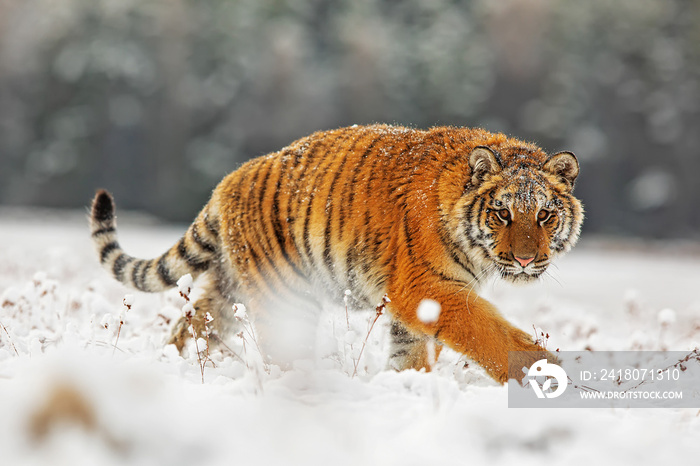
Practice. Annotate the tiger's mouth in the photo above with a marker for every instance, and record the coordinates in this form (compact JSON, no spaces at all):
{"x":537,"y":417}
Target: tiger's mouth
{"x":516,"y":273}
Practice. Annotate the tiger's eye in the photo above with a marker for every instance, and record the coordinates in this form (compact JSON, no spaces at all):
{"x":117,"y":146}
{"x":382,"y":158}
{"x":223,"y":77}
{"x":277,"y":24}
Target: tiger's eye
{"x":504,"y":214}
{"x":543,"y":215}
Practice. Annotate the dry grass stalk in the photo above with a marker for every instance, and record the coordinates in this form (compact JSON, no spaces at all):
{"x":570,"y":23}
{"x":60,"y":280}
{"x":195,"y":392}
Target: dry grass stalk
{"x":379,"y":310}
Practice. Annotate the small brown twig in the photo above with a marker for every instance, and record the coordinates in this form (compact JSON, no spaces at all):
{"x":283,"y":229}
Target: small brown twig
{"x":542,"y":339}
{"x":128,"y":302}
{"x":379,"y":311}
{"x":185,"y":288}
{"x":9,"y":339}
{"x":680,"y":364}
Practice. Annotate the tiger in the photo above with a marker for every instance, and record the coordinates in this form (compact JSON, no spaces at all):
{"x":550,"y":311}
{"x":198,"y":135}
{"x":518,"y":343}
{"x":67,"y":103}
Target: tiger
{"x":379,"y":210}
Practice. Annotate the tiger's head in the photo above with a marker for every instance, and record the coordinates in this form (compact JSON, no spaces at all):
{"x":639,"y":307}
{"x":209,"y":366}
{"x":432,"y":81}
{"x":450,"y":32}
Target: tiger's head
{"x":520,"y":211}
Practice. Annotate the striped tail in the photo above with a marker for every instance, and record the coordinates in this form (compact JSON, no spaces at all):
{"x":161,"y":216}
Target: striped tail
{"x":193,"y":254}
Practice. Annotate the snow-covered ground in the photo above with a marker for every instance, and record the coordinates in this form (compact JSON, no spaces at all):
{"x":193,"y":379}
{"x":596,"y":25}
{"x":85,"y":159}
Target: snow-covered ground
{"x":68,"y":395}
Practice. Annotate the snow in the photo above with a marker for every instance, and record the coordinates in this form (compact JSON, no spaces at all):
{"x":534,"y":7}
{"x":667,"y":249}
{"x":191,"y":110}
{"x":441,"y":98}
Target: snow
{"x":128,"y":300}
{"x":240,"y":312}
{"x":428,"y":311}
{"x":184,"y":284}
{"x":67,"y":396}
{"x":188,"y":309}
{"x":350,"y":337}
{"x":666,"y":316}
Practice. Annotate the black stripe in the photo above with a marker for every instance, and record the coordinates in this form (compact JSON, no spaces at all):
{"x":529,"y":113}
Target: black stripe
{"x":262,"y":175}
{"x":456,"y":253}
{"x":263,"y":184}
{"x":103,"y":231}
{"x":182,"y":248}
{"x":352,"y":185}
{"x":144,"y":273}
{"x":403,"y":339}
{"x":192,"y":261}
{"x":417,"y":259}
{"x":106,"y":249}
{"x":201,"y":242}
{"x":252,"y":186}
{"x":135,"y":273}
{"x":407,"y":234}
{"x":280,"y":285}
{"x":271,"y":265}
{"x":164,"y":272}
{"x":257,"y":264}
{"x":480,"y":209}
{"x":360,"y":164}
{"x":306,"y":241}
{"x":372,"y":174}
{"x":266,"y":236}
{"x":569,"y":220}
{"x":103,"y":207}
{"x":455,"y":256}
{"x":351,"y":273}
{"x":289,"y":218}
{"x":198,"y":266}
{"x":250,"y":208}
{"x":119,"y":263}
{"x":454,"y":250}
{"x":350,"y":255}
{"x":327,"y":259}
{"x":401,"y":336}
{"x":384,"y":158}
{"x":277,"y":228}
{"x":366,"y":262}
{"x":318,"y":180}
{"x":298,"y":158}
{"x":381,"y":281}
{"x":212,"y":224}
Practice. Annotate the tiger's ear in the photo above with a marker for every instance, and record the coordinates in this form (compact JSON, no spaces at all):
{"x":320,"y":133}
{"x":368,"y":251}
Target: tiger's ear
{"x":483,"y":162}
{"x":565,"y":166}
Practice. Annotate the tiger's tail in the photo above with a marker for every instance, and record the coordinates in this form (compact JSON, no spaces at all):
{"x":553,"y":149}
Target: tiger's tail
{"x":193,"y":254}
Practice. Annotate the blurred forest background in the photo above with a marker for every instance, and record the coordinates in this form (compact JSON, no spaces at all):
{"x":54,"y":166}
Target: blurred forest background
{"x":157,"y":100}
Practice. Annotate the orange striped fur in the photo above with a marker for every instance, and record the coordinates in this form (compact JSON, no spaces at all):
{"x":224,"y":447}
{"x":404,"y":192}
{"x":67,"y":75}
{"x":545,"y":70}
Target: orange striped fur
{"x":377,"y":210}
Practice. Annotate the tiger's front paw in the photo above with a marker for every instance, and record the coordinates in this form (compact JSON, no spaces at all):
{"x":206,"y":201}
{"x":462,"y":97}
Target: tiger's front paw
{"x":524,"y":354}
{"x":520,"y":362}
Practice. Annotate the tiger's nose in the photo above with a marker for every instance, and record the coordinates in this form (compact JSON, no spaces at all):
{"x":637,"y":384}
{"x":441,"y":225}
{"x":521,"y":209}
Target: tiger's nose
{"x":524,"y":261}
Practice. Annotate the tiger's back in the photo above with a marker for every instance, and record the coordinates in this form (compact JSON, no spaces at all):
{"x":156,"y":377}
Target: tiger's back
{"x":315,"y":215}
{"x":376,"y":210}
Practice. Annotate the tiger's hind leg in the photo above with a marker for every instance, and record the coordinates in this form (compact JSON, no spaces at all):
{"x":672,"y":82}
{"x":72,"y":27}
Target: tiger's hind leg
{"x":411,"y":350}
{"x":286,"y":327}
{"x":222,"y":323}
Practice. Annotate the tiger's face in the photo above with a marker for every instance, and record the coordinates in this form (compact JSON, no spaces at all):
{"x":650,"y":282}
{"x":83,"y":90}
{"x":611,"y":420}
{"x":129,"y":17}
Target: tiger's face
{"x":524,"y":213}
